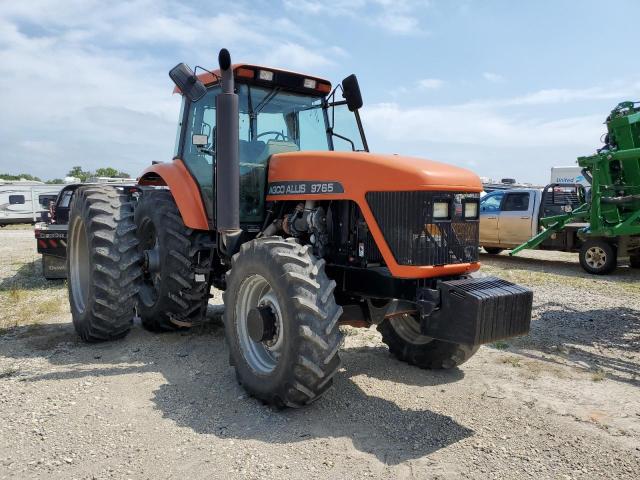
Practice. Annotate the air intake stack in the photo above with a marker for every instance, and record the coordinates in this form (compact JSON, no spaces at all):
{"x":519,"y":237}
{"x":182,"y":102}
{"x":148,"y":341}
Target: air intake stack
{"x":227,"y":169}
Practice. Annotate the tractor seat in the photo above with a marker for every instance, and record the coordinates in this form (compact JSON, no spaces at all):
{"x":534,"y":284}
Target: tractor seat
{"x":276,"y":146}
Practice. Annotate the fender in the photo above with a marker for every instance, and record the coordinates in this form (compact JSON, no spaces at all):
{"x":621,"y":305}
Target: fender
{"x":184,"y":189}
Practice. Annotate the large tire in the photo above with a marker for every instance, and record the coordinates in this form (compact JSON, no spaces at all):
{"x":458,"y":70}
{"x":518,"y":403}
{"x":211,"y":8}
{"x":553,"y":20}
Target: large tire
{"x":174,"y":289}
{"x":297,"y":364}
{"x":103,"y":263}
{"x":598,"y":257}
{"x":402,"y":336}
{"x":493,"y":250}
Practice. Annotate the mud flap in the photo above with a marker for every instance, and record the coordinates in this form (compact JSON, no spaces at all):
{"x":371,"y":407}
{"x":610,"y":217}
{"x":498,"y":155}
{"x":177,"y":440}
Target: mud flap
{"x":54,"y":267}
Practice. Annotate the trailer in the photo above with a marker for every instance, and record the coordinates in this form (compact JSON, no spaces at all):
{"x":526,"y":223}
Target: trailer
{"x":611,"y":213}
{"x":25,"y":202}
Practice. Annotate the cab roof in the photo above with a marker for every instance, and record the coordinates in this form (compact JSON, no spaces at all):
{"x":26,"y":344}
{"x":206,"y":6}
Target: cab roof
{"x":284,"y":78}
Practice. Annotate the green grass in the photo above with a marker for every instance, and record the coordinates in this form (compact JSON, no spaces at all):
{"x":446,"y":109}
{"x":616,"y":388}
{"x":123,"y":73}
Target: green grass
{"x":598,"y":375}
{"x":500,"y":345}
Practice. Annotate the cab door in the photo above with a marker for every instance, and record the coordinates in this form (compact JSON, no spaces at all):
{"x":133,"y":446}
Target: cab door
{"x":515,"y":217}
{"x":489,"y":211}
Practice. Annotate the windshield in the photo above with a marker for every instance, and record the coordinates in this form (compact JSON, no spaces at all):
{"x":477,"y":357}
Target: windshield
{"x":283,"y":121}
{"x":274,"y":120}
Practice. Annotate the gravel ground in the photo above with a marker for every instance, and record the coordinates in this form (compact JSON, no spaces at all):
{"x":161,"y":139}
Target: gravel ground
{"x":560,"y":403}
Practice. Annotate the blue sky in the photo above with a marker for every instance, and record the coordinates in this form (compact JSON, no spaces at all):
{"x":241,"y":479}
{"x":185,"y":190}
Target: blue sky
{"x":504,"y":88}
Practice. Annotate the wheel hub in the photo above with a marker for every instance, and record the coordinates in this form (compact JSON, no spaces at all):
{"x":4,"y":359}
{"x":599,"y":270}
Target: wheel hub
{"x":596,"y":257}
{"x":151,"y":260}
{"x":261,"y":324}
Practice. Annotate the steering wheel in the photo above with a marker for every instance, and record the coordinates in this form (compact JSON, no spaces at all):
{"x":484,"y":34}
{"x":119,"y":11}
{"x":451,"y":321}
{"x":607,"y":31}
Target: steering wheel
{"x":273,"y":132}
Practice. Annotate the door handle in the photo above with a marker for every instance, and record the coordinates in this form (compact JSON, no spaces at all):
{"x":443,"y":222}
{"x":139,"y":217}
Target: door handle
{"x":525,"y":218}
{"x":491,"y":218}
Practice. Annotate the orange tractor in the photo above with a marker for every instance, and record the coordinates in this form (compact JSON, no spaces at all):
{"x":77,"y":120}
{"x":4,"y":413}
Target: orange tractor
{"x":274,"y":198}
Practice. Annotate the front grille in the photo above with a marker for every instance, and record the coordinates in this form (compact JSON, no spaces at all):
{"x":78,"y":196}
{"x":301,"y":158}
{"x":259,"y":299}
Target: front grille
{"x":415,"y":237}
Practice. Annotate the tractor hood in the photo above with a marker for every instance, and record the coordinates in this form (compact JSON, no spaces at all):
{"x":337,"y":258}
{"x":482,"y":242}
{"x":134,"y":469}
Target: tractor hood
{"x":361,"y":172}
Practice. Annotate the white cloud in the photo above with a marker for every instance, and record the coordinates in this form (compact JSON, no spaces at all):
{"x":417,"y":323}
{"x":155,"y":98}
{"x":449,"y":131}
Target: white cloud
{"x":292,"y":55}
{"x":474,"y":125}
{"x":430,"y":83}
{"x":395,"y":16}
{"x":86,"y":83}
{"x":493,"y":77}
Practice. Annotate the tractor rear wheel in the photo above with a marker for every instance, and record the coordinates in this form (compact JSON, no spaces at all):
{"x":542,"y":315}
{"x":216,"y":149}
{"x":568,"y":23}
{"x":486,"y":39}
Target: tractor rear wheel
{"x":175,"y":258}
{"x":103,"y":263}
{"x":402,"y":336}
{"x":281,"y":322}
{"x":598,"y":257}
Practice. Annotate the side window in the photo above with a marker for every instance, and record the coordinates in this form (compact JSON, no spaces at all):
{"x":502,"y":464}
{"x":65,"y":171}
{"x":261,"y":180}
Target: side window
{"x":346,"y":136}
{"x":44,"y":200}
{"x":312,"y":130}
{"x":198,"y":159}
{"x":516,"y":202}
{"x":491,"y":203}
{"x":16,"y":199}
{"x":65,"y":200}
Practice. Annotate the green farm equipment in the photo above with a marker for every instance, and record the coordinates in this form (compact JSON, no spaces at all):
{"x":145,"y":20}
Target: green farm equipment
{"x":612,"y":213}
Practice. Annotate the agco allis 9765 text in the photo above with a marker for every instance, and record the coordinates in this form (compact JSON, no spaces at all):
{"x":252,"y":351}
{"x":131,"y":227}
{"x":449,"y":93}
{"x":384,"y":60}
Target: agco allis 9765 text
{"x":274,"y":197}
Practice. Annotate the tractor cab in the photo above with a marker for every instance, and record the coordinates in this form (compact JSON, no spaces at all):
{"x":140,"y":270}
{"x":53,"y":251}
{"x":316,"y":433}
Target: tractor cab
{"x":278,"y":112}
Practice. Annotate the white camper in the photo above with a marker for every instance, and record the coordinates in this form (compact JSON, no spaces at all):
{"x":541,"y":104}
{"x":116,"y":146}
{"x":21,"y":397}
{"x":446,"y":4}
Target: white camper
{"x":25,"y":201}
{"x":570,"y":174}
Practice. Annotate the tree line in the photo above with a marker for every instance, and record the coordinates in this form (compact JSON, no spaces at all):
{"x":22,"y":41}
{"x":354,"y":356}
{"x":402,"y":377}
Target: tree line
{"x":76,"y":171}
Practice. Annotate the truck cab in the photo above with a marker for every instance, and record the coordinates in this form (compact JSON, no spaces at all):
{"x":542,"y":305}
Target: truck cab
{"x":508,"y":217}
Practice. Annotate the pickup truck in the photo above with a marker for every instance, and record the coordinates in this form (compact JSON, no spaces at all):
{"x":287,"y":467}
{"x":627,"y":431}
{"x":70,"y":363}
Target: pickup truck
{"x":51,"y":235}
{"x":509,"y":218}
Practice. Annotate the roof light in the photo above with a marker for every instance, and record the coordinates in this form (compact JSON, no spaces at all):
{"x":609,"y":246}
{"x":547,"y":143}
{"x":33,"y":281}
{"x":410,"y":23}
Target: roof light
{"x":309,"y":83}
{"x":265,"y":75}
{"x":245,"y":73}
{"x":323,"y":87}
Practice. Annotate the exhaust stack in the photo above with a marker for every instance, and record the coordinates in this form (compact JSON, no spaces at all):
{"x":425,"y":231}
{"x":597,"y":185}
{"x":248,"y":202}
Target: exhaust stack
{"x":227,"y":166}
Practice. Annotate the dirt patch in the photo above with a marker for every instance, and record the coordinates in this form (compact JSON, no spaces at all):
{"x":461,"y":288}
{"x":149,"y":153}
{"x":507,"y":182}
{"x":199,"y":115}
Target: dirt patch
{"x":561,"y":402}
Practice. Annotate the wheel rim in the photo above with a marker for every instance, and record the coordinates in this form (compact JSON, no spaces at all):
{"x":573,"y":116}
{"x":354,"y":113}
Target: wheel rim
{"x":408,"y":328}
{"x":79,"y":265}
{"x":262,"y":357}
{"x":148,"y":242}
{"x":595,"y":257}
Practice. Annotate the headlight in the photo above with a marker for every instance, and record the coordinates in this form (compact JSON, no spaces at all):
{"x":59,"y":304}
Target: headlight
{"x":440,"y":210}
{"x":471,"y":210}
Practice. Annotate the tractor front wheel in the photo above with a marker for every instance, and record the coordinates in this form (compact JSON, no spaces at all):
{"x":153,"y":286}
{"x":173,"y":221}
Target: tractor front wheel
{"x":598,"y":257}
{"x":103,"y":263}
{"x":405,"y":341}
{"x":281,"y":322}
{"x":634,"y":261}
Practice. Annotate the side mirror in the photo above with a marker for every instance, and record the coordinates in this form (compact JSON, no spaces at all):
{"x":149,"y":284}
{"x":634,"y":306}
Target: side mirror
{"x":351,"y":93}
{"x":187,"y":82}
{"x":199,"y":140}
